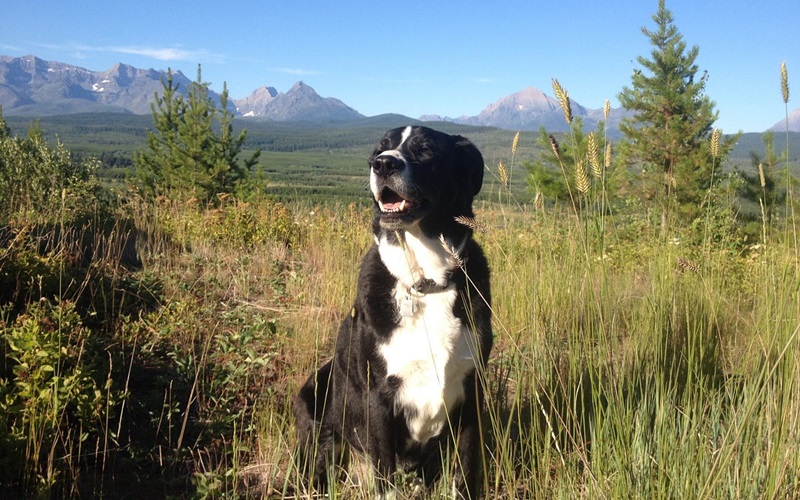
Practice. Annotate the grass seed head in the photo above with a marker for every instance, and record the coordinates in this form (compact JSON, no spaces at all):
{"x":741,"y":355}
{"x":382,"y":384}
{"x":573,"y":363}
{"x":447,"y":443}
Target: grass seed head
{"x":715,"y":142}
{"x":594,"y":162}
{"x":554,"y":147}
{"x":563,"y":100}
{"x":761,"y":177}
{"x":503,"y":173}
{"x":581,"y":177}
{"x":456,"y":258}
{"x":687,"y":265}
{"x":538,"y":201}
{"x":473,"y":224}
{"x":607,"y":156}
{"x":784,"y":83}
{"x":514,"y":144}
{"x":606,"y":110}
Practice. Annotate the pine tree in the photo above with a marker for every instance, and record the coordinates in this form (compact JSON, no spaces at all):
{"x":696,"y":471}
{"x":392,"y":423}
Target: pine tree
{"x":227,"y":170}
{"x":185,"y":157}
{"x":670,"y":129}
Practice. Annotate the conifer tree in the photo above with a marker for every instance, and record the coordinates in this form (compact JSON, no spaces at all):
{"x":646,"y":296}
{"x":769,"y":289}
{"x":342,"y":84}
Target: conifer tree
{"x":669,"y":131}
{"x":185,"y":156}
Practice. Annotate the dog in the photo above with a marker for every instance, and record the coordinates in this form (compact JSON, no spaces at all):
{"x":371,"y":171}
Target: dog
{"x":405,"y":384}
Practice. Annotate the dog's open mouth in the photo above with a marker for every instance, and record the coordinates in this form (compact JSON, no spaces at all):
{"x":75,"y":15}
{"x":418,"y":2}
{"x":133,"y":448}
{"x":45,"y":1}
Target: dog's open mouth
{"x":397,"y":211}
{"x":392,"y":203}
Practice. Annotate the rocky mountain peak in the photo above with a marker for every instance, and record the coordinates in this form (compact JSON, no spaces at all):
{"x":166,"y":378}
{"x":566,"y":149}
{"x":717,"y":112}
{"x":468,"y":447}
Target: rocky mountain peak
{"x":300,"y":103}
{"x":793,"y":123}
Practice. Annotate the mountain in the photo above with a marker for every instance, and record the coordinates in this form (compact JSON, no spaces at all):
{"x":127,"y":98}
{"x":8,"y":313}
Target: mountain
{"x":794,"y":123}
{"x":300,"y":103}
{"x":530,"y":109}
{"x":527,"y":109}
{"x":256,"y":103}
{"x":34,"y":87}
{"x":30,"y":86}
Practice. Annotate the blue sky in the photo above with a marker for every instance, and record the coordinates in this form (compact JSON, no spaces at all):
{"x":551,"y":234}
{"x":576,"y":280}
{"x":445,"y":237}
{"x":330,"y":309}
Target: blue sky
{"x":423,"y":57}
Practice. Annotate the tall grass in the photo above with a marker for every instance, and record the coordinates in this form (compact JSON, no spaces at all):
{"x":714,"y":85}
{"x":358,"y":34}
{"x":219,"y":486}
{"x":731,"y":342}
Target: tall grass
{"x":637,"y":368}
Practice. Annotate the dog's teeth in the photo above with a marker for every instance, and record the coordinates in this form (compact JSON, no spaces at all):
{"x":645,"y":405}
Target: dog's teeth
{"x":380,"y":205}
{"x":403,"y":205}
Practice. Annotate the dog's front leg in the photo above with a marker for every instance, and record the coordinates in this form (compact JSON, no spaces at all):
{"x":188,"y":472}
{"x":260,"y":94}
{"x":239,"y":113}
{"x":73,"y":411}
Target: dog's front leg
{"x":382,"y":450}
{"x":468,"y":466}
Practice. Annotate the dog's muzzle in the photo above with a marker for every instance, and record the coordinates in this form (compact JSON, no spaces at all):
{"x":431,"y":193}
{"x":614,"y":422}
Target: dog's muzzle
{"x":390,"y":187}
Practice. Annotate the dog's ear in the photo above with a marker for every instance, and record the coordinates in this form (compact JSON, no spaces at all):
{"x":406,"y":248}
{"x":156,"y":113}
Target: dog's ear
{"x":471,"y":160}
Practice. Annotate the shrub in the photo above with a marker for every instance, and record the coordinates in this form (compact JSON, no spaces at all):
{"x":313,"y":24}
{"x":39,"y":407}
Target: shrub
{"x":36,"y":178}
{"x":55,"y":395}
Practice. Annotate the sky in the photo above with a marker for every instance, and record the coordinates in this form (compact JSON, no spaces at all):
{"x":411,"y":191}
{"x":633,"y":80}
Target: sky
{"x":423,"y":57}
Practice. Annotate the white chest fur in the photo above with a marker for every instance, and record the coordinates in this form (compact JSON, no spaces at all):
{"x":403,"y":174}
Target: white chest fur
{"x":431,"y":350}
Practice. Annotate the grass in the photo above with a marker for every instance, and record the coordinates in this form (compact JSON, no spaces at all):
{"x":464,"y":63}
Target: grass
{"x":614,"y":374}
{"x":626,"y":363}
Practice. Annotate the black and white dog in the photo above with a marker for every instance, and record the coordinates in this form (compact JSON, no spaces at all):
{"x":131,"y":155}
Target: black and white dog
{"x":404,"y":385}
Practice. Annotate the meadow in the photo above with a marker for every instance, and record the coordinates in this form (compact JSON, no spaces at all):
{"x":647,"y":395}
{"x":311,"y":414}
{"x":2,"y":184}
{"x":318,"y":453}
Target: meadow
{"x":152,"y":349}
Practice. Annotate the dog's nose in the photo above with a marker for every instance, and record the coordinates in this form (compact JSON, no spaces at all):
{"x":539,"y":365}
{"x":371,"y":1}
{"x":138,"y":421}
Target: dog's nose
{"x":386,"y":165}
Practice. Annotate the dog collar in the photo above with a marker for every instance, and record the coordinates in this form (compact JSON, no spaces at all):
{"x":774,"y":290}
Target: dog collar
{"x":427,"y":285}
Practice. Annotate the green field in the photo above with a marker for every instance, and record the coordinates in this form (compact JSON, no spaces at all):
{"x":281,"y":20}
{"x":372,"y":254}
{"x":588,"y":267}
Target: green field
{"x":319,"y":161}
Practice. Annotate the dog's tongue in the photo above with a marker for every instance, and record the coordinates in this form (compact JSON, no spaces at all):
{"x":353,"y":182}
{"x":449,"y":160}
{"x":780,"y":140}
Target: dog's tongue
{"x":395,"y":205}
{"x":391,"y":202}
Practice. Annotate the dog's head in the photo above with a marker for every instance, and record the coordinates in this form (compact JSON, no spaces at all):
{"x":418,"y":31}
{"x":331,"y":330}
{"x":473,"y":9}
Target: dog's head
{"x":422,"y":177}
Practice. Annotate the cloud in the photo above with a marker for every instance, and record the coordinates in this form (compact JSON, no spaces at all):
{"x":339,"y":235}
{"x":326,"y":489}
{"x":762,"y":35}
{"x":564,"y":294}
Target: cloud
{"x":169,"y":53}
{"x":296,"y":71}
{"x":158,"y":53}
{"x":10,"y":48}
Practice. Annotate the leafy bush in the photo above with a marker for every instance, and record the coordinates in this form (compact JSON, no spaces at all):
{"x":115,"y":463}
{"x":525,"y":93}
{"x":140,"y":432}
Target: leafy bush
{"x":56,"y":394}
{"x":35,"y":179}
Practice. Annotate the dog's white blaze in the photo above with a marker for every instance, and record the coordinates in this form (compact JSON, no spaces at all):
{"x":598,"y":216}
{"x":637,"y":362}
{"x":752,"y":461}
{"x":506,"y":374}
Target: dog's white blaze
{"x":373,"y":178}
{"x":431,"y":353}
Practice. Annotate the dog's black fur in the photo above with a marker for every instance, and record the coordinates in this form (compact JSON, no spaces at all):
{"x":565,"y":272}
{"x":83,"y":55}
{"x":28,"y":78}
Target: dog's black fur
{"x":405,"y":382}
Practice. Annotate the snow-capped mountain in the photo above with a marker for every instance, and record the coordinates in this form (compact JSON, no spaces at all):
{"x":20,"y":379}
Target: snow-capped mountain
{"x":30,"y":86}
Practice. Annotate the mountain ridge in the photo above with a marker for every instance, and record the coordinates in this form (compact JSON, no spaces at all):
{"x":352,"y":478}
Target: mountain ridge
{"x":30,"y":86}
